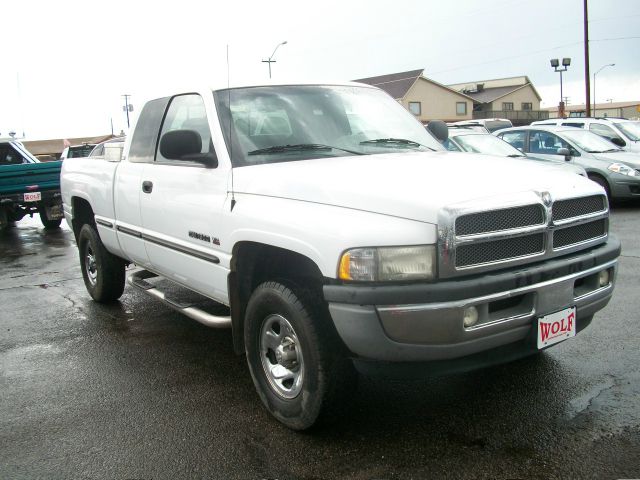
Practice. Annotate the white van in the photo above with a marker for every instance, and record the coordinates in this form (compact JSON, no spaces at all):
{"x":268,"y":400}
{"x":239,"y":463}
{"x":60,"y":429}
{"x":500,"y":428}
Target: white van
{"x":620,"y":131}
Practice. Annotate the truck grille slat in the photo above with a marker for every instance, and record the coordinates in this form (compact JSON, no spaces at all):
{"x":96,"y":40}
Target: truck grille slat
{"x":487,"y":252}
{"x":576,"y":207}
{"x":497,"y":220}
{"x":579,"y":233}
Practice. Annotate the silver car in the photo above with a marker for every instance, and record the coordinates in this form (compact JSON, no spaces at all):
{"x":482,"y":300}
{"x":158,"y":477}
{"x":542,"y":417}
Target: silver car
{"x":464,"y":139}
{"x":616,"y":170}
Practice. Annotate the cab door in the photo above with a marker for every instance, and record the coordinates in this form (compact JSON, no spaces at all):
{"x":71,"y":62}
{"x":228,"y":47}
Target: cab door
{"x":182,"y":200}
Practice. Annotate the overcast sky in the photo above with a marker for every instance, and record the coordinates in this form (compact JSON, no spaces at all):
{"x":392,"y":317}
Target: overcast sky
{"x":67,"y":63}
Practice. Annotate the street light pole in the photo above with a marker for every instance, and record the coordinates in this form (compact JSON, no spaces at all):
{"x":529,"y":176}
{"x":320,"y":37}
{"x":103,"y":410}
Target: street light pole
{"x":270,"y":61}
{"x":594,"y":84}
{"x":127,"y":107}
{"x":555,"y":63}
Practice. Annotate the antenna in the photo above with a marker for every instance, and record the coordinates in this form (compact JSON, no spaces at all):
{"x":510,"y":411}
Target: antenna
{"x":233,"y":198}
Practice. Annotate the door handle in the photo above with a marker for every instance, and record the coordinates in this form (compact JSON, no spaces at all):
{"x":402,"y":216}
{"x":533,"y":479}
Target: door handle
{"x":147,"y":186}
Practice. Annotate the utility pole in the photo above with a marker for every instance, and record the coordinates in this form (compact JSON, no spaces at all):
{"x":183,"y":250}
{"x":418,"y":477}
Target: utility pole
{"x":586,"y":60}
{"x":127,"y":107}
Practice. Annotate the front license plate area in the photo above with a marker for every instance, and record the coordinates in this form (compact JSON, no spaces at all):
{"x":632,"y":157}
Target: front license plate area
{"x":556,"y":327}
{"x":33,"y":197}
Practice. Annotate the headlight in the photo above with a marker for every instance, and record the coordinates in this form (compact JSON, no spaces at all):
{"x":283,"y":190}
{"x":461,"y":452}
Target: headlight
{"x":385,"y":264}
{"x":622,"y":169}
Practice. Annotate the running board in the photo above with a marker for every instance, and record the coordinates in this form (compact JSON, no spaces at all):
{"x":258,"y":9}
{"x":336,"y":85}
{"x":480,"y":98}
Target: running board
{"x":138,"y":280}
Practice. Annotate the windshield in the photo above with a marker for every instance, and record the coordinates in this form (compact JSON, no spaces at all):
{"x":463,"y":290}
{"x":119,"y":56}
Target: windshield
{"x":630,"y":129}
{"x":487,"y":144}
{"x":286,"y":123}
{"x":589,"y":142}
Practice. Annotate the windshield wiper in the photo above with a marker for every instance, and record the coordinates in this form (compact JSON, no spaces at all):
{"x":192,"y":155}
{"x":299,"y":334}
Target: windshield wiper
{"x":300,"y":147}
{"x":515,"y":155}
{"x":394,"y":141}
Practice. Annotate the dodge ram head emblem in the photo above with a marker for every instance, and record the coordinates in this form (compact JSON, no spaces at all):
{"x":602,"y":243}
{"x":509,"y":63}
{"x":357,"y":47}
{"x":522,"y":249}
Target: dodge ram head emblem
{"x":546,"y":198}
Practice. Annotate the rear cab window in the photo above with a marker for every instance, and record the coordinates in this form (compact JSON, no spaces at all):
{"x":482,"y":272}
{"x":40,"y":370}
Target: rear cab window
{"x":10,"y":156}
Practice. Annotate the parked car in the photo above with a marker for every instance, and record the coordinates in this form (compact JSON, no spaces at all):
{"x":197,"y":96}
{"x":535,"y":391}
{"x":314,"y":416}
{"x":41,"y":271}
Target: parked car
{"x":330,"y":232}
{"x":620,"y":131}
{"x":464,"y":139}
{"x":616,"y":170}
{"x":491,"y":124}
{"x":28,"y":186}
{"x":77,"y":151}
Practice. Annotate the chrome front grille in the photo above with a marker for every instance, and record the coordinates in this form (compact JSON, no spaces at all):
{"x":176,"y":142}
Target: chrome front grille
{"x":536,"y":228}
{"x":498,"y":250}
{"x":577,"y":207}
{"x":583,"y":232}
{"x":497,"y":220}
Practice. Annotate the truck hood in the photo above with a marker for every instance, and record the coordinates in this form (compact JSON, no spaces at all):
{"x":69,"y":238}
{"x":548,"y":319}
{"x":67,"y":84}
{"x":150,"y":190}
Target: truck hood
{"x":630,"y":158}
{"x":412,"y":185}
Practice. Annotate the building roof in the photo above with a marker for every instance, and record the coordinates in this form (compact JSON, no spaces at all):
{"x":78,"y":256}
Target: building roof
{"x":56,"y":146}
{"x":488,"y":95}
{"x":599,"y":106}
{"x":395,"y":84}
{"x":487,"y":91}
{"x":494,"y":82}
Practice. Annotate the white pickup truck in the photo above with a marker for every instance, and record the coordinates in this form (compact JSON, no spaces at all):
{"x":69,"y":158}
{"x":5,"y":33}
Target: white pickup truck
{"x":329,"y":230}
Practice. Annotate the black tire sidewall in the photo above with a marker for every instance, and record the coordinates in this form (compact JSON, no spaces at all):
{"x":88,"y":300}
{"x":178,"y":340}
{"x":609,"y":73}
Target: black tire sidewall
{"x":49,"y":224}
{"x":110,"y":278}
{"x":302,"y":411}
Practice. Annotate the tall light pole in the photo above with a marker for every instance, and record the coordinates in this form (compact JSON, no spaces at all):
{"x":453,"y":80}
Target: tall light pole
{"x":594,"y":84}
{"x":270,"y":61}
{"x":556,"y":66}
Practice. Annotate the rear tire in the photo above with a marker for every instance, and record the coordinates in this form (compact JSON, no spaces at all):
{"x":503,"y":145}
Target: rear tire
{"x":296,"y":360}
{"x":103,"y":273}
{"x":49,"y":224}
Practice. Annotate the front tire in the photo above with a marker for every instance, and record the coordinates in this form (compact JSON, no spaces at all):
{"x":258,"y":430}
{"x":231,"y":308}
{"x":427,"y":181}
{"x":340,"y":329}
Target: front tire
{"x":295,"y":358}
{"x":603,"y":183}
{"x":103,"y":273}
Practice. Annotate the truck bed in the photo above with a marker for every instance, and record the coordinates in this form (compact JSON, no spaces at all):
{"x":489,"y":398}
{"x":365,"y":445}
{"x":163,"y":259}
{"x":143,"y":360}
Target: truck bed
{"x":23,"y":177}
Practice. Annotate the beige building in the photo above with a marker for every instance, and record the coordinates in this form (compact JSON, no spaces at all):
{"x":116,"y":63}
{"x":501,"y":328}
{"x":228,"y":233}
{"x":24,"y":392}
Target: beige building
{"x":630,"y":109}
{"x":426,"y":99}
{"x":52,"y":149}
{"x":514,"y":98}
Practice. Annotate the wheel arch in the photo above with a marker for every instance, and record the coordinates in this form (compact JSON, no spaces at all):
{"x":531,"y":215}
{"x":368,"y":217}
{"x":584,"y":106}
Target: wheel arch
{"x":82,"y":214}
{"x":253,"y":263}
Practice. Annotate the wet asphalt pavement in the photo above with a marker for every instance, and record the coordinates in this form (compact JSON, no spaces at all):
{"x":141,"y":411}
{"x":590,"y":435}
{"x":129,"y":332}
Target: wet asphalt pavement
{"x":134,"y":390}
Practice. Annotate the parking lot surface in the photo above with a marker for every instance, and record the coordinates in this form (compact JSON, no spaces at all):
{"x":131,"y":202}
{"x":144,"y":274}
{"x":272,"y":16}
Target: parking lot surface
{"x":135,"y":390}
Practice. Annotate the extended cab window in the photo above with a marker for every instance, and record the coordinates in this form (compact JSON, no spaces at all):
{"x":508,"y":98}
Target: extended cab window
{"x":187,"y":112}
{"x":145,"y":135}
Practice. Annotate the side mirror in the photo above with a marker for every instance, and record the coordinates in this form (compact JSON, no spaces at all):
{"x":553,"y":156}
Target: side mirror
{"x":438,"y":129}
{"x":566,"y":153}
{"x":618,"y":141}
{"x":185,"y":145}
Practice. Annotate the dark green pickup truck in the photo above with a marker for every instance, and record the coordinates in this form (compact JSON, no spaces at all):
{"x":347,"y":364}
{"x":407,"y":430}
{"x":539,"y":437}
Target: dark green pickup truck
{"x":28,"y":186}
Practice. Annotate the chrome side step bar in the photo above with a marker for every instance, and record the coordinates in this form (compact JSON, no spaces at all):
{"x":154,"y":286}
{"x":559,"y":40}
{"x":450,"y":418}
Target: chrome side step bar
{"x":137,"y":280}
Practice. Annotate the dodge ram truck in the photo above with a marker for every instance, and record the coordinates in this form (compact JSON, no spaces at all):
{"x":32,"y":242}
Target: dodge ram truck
{"x":28,"y":186}
{"x":333,"y":235}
